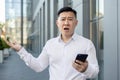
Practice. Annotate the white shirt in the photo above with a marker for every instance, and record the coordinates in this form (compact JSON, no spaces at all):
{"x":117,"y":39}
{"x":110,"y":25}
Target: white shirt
{"x":60,"y":57}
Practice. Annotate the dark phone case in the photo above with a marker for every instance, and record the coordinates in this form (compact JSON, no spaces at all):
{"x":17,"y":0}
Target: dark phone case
{"x":81,"y":57}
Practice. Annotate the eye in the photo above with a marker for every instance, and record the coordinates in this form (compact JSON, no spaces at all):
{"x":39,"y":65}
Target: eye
{"x":70,"y":19}
{"x":62,"y":19}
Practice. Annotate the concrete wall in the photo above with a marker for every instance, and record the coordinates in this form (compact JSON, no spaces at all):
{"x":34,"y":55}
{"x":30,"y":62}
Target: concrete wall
{"x":111,"y":40}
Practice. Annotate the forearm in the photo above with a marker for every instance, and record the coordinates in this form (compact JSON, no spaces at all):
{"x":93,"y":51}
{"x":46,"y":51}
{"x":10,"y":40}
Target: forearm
{"x":30,"y":61}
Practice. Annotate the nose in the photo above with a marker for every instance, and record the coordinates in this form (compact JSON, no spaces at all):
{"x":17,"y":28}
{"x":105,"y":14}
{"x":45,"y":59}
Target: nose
{"x":66,"y":22}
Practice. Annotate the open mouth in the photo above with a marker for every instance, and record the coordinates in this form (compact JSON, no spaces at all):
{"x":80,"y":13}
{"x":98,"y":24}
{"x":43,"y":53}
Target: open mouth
{"x":66,"y":28}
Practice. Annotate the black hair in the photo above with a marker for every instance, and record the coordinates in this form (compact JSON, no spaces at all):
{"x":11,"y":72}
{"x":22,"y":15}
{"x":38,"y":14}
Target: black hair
{"x":67,"y":9}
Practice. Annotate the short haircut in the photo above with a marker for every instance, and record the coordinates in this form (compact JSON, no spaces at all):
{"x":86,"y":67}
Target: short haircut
{"x":67,"y":9}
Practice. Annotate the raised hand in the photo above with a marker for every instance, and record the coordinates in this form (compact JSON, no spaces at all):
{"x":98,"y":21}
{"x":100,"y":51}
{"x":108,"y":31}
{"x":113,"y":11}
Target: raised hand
{"x":14,"y":45}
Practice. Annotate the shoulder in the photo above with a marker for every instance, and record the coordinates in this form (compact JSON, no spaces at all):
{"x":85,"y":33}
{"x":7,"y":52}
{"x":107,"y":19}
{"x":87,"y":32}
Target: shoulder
{"x":88,"y":42}
{"x":52,"y":40}
{"x":83,"y":40}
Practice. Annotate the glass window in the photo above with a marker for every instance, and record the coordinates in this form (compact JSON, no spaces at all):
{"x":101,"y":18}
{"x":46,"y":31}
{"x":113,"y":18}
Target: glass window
{"x":96,"y":30}
{"x":70,"y":3}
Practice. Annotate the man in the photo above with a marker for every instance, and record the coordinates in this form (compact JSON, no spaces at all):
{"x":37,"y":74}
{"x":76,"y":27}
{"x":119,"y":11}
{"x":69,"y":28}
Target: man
{"x":60,"y":53}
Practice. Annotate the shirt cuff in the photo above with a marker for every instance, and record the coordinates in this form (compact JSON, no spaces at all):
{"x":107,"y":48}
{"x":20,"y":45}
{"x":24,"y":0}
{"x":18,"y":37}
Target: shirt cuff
{"x":20,"y":51}
{"x":89,"y":71}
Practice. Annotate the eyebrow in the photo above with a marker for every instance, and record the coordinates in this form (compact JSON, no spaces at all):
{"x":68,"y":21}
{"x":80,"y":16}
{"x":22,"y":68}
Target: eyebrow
{"x":67,"y":17}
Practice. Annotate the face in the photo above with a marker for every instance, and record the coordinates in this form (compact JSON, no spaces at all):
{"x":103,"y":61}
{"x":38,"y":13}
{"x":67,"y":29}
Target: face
{"x":66,"y":23}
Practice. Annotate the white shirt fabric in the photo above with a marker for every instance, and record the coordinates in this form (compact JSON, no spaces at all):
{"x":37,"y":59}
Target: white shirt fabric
{"x":59,"y":56}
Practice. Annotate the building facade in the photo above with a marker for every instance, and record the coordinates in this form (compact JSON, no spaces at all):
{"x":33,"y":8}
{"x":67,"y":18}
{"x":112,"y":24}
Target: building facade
{"x":98,"y":21}
{"x":15,"y":19}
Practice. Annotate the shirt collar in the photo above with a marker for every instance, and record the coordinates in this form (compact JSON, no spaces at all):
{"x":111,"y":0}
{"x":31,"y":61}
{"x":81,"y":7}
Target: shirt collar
{"x":74,"y":37}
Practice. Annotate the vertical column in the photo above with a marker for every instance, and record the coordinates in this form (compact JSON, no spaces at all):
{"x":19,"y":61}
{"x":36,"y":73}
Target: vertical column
{"x":39,"y":19}
{"x":40,"y":29}
{"x":119,"y":38}
{"x":47,"y":20}
{"x":22,"y":22}
{"x":86,"y":18}
{"x":53,"y":13}
{"x":111,"y":67}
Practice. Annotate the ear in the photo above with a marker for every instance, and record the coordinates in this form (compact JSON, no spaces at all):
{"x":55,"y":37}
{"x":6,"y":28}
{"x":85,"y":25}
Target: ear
{"x":57,"y":23}
{"x":76,"y":22}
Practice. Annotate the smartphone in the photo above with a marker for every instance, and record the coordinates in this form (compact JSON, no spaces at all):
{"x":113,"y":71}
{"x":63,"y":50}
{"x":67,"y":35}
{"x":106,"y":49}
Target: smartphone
{"x":82,"y":57}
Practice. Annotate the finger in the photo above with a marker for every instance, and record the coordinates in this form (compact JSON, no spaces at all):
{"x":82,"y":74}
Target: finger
{"x":11,"y":44}
{"x":78,"y":62}
{"x":78,"y":67}
{"x":15,"y":42}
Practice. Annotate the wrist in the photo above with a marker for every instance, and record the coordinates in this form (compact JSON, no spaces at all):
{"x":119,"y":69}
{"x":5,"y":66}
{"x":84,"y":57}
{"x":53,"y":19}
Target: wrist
{"x":19,"y":49}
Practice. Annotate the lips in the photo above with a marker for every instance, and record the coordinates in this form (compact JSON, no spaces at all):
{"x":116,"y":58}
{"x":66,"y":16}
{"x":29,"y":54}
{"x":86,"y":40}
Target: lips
{"x":66,"y":28}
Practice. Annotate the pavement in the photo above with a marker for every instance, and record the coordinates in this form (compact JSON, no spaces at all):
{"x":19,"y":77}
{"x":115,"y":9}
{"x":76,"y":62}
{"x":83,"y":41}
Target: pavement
{"x":13,"y":68}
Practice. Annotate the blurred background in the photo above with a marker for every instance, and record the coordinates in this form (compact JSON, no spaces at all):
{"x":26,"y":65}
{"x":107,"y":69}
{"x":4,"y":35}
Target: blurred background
{"x":32,"y":23}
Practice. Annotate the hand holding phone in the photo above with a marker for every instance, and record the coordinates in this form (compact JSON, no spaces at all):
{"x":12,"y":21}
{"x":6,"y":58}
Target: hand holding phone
{"x":82,"y":57}
{"x":81,"y":61}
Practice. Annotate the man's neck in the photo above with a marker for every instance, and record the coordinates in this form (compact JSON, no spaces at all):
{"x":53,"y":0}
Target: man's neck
{"x":66,"y":38}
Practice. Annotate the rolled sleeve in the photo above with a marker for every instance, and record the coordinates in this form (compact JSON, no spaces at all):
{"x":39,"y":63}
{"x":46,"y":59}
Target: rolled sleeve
{"x":22,"y":52}
{"x":91,"y":71}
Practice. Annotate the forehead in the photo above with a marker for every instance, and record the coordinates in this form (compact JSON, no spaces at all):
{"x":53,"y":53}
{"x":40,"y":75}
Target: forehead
{"x":67,"y":14}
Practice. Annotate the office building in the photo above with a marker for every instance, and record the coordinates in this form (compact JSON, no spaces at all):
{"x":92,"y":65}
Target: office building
{"x":98,"y":21}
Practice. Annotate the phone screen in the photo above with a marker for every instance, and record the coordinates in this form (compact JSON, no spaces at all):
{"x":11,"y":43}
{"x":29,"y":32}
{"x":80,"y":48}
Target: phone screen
{"x":82,"y":57}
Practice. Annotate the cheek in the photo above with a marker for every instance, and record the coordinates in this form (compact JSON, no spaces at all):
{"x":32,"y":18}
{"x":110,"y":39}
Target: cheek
{"x":59,"y":23}
{"x":59,"y":27}
{"x":73,"y":28}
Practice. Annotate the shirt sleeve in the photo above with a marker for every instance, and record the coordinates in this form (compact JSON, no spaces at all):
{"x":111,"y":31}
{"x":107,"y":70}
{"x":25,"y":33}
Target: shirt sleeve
{"x":38,"y":64}
{"x":93,"y":68}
